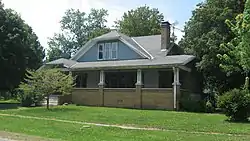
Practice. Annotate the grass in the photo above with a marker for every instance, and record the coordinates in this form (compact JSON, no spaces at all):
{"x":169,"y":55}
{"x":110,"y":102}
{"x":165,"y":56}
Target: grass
{"x":9,"y":101}
{"x":182,"y":121}
{"x":75,"y":132}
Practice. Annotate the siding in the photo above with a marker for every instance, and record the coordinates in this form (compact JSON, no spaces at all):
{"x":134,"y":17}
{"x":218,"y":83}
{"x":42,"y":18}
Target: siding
{"x":124,"y":53}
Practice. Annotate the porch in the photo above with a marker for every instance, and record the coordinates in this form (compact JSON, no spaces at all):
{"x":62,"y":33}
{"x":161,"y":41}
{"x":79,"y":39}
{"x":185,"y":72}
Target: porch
{"x":154,"y":88}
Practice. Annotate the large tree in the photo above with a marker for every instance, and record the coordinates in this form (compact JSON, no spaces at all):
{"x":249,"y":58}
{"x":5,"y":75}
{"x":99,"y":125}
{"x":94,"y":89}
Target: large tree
{"x":237,"y":58}
{"x":76,"y":29}
{"x":142,"y":21}
{"x":19,"y":49}
{"x":204,"y":33}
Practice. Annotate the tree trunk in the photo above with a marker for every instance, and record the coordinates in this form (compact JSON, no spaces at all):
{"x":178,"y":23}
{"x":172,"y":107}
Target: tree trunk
{"x":47,"y":102}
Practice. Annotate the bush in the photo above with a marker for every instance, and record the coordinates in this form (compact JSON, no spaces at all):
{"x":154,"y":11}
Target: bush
{"x":209,"y":107}
{"x":236,"y":104}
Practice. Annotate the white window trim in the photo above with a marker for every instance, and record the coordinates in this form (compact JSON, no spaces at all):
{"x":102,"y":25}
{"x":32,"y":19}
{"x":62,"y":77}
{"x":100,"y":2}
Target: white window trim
{"x":103,"y":48}
{"x":116,"y":50}
{"x":109,"y":54}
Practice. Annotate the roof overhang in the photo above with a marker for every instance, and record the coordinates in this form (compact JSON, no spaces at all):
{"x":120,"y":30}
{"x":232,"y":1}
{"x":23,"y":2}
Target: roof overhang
{"x":179,"y":61}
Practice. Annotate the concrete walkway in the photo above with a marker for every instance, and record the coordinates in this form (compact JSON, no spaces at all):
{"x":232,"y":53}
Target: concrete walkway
{"x":88,"y":124}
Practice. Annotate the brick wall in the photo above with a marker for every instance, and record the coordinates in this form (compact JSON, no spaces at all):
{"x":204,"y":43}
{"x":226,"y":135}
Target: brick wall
{"x":157,"y":98}
{"x":121,"y":98}
{"x":150,"y":98}
{"x":87,"y":96}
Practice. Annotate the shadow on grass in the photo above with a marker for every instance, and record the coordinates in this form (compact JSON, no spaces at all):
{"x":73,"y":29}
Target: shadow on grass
{"x":242,"y":122}
{"x":54,"y":109}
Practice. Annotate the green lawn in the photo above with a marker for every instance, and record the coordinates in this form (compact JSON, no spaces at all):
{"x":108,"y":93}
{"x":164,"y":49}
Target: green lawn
{"x":146,"y":118}
{"x":174,"y":121}
{"x":75,"y":132}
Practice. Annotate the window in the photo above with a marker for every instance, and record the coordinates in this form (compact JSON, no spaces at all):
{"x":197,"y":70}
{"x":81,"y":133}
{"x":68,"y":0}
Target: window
{"x":107,"y":51}
{"x":114,"y":50}
{"x":100,"y":51}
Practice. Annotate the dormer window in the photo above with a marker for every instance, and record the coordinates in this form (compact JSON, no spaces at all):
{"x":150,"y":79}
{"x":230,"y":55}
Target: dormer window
{"x":100,"y":51}
{"x":107,"y":51}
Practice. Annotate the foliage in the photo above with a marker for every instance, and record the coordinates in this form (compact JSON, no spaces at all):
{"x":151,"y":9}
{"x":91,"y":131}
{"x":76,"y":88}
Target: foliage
{"x":43,"y":83}
{"x":236,"y":104}
{"x":76,"y":29}
{"x":19,"y":49}
{"x":142,"y":21}
{"x":237,"y":59}
{"x":204,"y":33}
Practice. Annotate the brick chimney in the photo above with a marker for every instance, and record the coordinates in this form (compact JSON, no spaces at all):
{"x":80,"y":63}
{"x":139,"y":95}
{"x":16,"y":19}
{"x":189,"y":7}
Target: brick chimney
{"x":165,"y":35}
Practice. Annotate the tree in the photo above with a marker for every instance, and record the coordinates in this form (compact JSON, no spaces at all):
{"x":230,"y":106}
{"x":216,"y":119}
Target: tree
{"x":142,"y":21}
{"x":46,"y":82}
{"x":19,"y":49}
{"x":238,"y":56}
{"x":204,"y":33}
{"x":77,"y":28}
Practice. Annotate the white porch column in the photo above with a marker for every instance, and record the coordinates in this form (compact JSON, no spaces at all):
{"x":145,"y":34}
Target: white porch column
{"x":177,"y":76}
{"x":138,"y":87}
{"x":101,"y":87}
{"x":176,"y":85}
{"x":139,"y":77}
{"x":102,"y":78}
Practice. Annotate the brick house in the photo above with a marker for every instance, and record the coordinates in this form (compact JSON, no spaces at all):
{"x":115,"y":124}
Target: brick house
{"x":148,"y":72}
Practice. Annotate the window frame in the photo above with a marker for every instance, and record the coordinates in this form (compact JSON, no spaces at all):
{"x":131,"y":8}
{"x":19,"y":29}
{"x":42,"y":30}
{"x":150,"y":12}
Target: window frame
{"x":114,"y":47}
{"x":108,"y":50}
{"x":103,"y":51}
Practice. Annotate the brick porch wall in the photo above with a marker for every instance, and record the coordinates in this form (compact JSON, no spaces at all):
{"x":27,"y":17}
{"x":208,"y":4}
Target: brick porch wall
{"x":149,"y":98}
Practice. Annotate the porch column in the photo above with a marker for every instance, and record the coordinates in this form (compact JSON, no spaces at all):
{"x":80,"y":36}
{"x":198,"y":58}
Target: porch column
{"x":176,"y":87}
{"x":101,"y":87}
{"x":139,"y":86}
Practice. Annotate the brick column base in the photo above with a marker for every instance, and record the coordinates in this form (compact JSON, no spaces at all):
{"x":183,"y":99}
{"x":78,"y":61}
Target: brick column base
{"x":139,"y":93}
{"x":101,"y":92}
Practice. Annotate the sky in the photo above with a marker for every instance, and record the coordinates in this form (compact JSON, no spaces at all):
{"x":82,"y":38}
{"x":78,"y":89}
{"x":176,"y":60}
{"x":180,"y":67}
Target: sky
{"x":44,"y":15}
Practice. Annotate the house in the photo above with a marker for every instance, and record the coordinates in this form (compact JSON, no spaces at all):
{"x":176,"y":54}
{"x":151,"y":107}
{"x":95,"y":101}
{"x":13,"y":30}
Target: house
{"x":116,"y":70}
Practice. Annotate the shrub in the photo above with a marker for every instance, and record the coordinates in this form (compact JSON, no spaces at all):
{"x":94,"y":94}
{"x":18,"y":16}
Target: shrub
{"x":209,"y":107}
{"x":43,"y":83}
{"x":236,"y":104}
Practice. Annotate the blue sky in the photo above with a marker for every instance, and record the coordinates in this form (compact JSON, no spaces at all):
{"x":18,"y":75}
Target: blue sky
{"x":44,"y":15}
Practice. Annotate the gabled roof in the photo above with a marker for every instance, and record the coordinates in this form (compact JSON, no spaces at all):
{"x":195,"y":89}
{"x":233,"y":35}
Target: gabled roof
{"x":113,"y":35}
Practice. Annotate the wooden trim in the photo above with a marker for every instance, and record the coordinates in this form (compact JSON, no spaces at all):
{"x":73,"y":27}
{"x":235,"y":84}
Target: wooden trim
{"x":85,"y":88}
{"x":157,"y":89}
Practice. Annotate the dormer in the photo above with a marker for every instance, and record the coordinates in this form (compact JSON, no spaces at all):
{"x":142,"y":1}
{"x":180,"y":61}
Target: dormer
{"x":111,"y":46}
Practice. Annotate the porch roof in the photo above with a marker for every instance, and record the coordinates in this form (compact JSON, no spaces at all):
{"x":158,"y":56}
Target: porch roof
{"x":167,"y":61}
